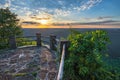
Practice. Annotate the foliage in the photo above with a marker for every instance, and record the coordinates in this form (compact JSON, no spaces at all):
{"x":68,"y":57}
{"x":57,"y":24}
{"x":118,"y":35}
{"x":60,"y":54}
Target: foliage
{"x":3,"y":43}
{"x":113,"y":65}
{"x":9,"y":25}
{"x":84,"y":61}
{"x":19,"y":74}
{"x":25,"y":41}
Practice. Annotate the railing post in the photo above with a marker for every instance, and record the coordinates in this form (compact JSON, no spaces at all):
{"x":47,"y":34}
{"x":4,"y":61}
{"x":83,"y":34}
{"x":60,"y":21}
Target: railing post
{"x":67,"y":43}
{"x":38,"y":36}
{"x":12,"y":42}
{"x":52,"y":42}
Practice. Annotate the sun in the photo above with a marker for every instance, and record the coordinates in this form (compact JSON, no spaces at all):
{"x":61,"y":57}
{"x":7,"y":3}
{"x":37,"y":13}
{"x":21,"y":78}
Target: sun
{"x":44,"y":22}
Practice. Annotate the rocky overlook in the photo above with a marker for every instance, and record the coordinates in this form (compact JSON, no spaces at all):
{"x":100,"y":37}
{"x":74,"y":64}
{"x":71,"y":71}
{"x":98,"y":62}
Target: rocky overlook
{"x":28,"y":63}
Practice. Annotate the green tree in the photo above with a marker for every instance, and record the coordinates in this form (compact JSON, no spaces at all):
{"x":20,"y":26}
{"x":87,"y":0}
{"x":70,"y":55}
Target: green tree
{"x":9,"y":25}
{"x":84,"y":61}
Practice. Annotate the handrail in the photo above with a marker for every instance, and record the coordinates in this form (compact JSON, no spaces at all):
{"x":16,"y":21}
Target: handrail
{"x":25,"y":36}
{"x":45,"y":36}
{"x":60,"y":73}
{"x":45,"y":41}
{"x":51,"y":40}
{"x":57,"y":40}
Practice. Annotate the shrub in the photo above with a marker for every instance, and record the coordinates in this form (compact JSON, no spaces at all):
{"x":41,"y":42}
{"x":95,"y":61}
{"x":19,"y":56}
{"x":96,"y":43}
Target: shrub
{"x":84,"y":61}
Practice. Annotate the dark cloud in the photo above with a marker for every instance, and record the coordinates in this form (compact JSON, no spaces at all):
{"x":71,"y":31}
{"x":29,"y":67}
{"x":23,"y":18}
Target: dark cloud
{"x":30,"y":22}
{"x":114,"y":22}
{"x":37,"y":18}
{"x":107,"y":22}
{"x":105,"y":17}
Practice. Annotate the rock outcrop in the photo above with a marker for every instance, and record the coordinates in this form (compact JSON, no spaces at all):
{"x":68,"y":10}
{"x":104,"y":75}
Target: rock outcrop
{"x":30,"y":63}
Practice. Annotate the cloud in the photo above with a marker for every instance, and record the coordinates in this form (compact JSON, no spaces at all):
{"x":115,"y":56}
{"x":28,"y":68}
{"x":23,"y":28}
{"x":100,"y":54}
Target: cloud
{"x":42,"y":16}
{"x":60,"y":12}
{"x":30,"y":22}
{"x":39,"y":18}
{"x":104,"y":17}
{"x":50,"y":5}
{"x":48,"y":9}
{"x":106,"y":22}
{"x":87,"y":5}
{"x":99,"y":18}
{"x":8,"y":3}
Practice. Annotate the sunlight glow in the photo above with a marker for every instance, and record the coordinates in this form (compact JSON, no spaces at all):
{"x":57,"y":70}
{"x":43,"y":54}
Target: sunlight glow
{"x":44,"y":22}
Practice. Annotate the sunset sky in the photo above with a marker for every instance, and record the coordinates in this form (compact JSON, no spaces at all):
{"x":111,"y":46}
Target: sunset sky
{"x":65,"y":11}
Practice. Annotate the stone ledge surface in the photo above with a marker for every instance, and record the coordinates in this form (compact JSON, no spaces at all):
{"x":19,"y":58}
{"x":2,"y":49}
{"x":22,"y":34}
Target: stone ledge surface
{"x":28,"y":63}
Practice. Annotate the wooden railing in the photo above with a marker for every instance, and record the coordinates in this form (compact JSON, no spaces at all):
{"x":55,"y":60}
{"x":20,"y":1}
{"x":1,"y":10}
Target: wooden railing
{"x":61,"y":67}
{"x":53,"y":43}
{"x":50,"y":40}
{"x":63,"y":50}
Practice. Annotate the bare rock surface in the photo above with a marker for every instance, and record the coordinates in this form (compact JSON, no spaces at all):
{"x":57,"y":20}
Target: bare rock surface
{"x":29,"y":63}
